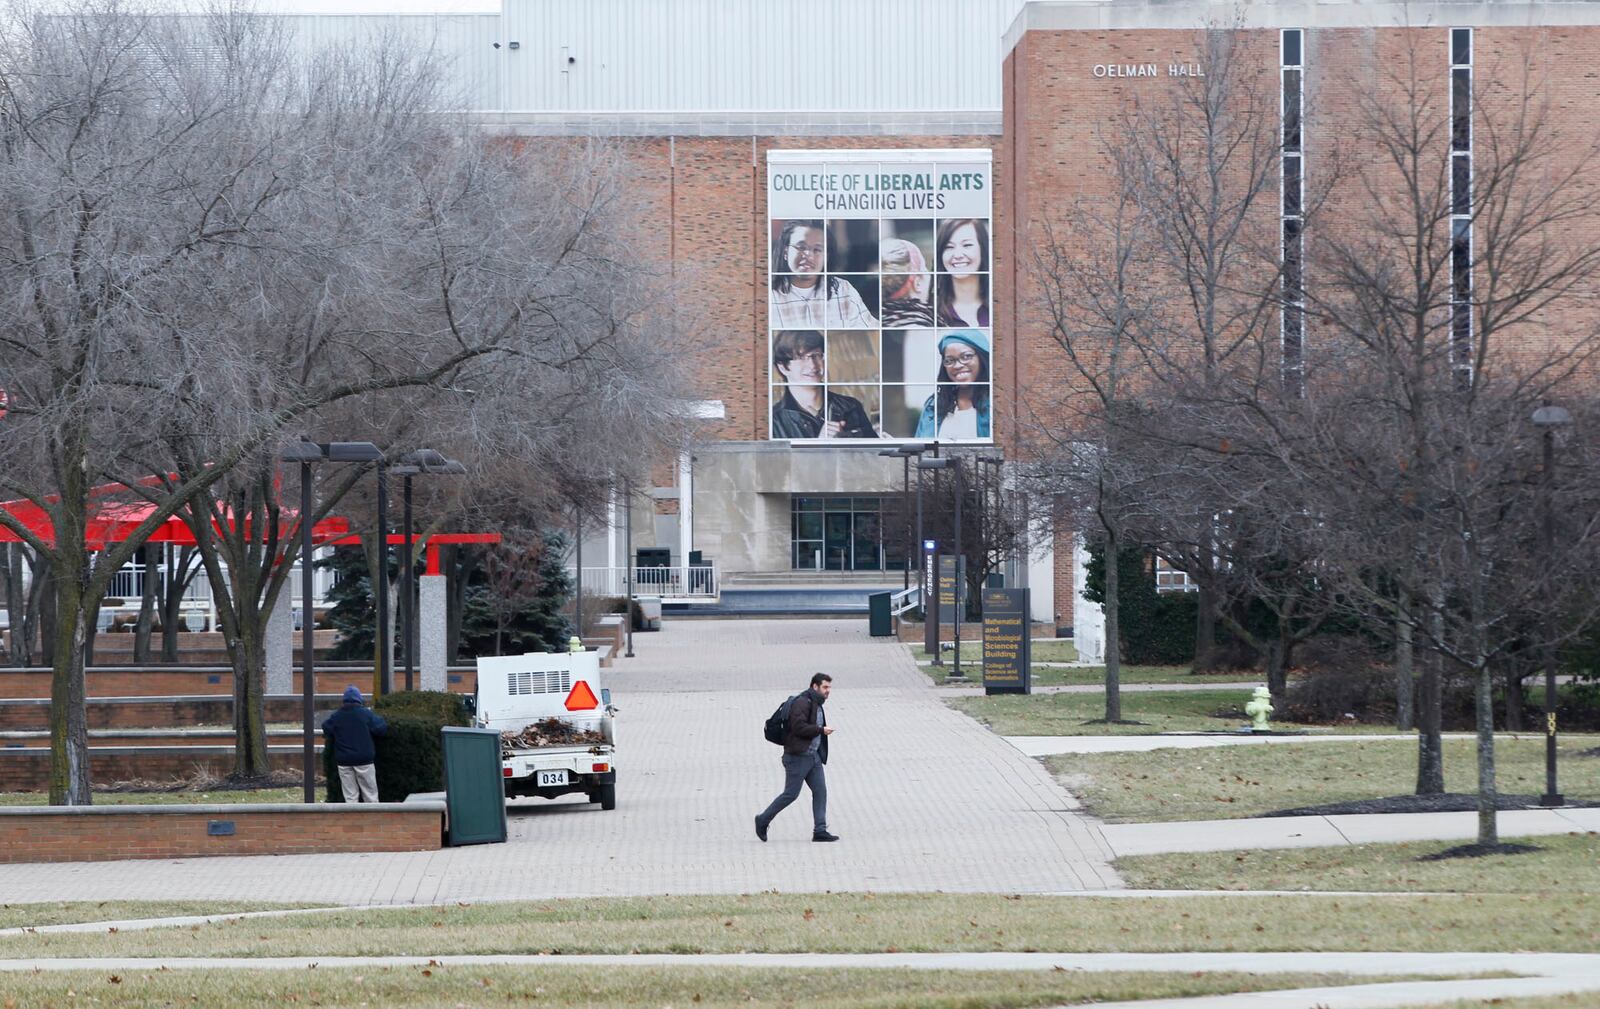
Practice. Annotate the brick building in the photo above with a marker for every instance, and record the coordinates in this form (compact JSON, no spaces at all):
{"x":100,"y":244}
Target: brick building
{"x":706,"y":99}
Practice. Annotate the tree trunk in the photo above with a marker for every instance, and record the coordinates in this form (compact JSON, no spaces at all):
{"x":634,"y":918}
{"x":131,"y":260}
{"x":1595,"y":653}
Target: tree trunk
{"x":1488,"y":829}
{"x":172,"y":588}
{"x":1430,"y":744}
{"x":1205,"y":611}
{"x":20,"y":653}
{"x":1278,"y":668}
{"x":69,"y":728}
{"x":49,"y":586}
{"x":1405,"y":687}
{"x":1113,"y":630}
{"x":248,"y":656}
{"x":147,"y":606}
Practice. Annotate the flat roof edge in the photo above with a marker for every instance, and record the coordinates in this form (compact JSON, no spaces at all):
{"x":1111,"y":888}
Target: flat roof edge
{"x":1109,"y":15}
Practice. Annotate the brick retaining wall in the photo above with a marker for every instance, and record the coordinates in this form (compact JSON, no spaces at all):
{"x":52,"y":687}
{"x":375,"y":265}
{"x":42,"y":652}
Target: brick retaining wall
{"x":33,"y":713}
{"x":103,"y":833}
{"x":168,"y":680}
{"x":27,"y":769}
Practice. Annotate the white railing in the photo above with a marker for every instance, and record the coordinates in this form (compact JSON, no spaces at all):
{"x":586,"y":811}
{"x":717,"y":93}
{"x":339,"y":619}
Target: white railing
{"x":696,"y":583}
{"x":128,"y":585}
{"x":905,"y":600}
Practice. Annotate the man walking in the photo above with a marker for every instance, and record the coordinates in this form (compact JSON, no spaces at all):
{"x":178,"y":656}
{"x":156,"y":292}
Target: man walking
{"x":350,"y":730}
{"x":805,"y":750}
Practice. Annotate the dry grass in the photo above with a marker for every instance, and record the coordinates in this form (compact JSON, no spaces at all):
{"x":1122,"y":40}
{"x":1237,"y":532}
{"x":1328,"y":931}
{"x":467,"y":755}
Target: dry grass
{"x":1567,"y":864}
{"x":1156,"y":711}
{"x":1567,"y":921}
{"x":1234,"y":781}
{"x":164,"y":798}
{"x":438,"y":987}
{"x":68,"y":912}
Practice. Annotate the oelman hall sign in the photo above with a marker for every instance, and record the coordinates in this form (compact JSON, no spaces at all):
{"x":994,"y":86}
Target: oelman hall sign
{"x":1147,"y":70}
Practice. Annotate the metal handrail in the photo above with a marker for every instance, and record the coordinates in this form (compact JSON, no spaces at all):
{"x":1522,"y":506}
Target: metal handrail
{"x":905,"y":600}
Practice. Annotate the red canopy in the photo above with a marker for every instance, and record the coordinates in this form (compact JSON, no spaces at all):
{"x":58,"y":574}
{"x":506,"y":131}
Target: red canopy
{"x":114,"y":522}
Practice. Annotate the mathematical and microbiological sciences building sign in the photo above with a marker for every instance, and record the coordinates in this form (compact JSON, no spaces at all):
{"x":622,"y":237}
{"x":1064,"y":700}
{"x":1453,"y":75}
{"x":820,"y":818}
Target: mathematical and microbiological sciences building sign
{"x":880,"y":305}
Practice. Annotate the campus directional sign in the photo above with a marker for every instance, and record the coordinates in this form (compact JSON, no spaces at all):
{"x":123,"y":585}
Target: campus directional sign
{"x":1007,"y":645}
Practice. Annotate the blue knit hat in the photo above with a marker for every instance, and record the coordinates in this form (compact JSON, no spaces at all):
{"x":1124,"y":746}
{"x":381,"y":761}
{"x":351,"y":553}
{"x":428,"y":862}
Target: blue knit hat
{"x":970,"y":337}
{"x":352,"y":694}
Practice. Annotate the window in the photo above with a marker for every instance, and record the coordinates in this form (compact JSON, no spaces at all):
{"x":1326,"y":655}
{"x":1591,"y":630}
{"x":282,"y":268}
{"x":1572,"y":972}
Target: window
{"x":1461,"y":206}
{"x":1292,"y":310}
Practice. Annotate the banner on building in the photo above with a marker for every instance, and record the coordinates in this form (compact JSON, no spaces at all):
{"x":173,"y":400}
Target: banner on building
{"x":879,"y":295}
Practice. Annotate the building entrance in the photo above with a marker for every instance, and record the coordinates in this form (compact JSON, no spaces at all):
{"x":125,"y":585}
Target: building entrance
{"x":841,"y":534}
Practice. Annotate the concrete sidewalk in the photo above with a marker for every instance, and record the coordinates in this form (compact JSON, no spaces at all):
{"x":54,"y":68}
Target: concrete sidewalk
{"x":976,"y":689}
{"x":1331,"y":831}
{"x":924,"y":798}
{"x":1538,"y":973}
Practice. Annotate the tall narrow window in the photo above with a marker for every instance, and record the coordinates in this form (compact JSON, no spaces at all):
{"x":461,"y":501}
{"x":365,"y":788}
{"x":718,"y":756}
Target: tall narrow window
{"x":1461,"y":204}
{"x":1292,"y":326}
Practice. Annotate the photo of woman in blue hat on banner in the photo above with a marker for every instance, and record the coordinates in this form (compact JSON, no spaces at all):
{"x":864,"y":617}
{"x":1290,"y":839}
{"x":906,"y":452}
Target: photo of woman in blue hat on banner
{"x":959,"y":409}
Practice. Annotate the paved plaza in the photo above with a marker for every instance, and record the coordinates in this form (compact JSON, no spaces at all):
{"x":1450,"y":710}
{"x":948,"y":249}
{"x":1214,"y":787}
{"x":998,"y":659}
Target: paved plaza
{"x":924,"y":798}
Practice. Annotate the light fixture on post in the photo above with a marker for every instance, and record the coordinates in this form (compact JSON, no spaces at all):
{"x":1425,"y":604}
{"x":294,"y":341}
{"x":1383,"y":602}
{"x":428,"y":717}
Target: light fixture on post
{"x":305,"y":453}
{"x":420,"y":462}
{"x":953,"y":463}
{"x":1547,"y":418}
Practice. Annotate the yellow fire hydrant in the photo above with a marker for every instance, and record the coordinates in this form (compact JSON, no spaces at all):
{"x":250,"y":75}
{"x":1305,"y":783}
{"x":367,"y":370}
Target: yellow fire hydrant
{"x":1258,"y":708}
{"x":575,"y":644}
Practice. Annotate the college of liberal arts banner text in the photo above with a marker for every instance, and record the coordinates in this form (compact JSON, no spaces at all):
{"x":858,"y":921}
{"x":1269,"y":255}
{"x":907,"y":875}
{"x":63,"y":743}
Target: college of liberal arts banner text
{"x":879,"y":295}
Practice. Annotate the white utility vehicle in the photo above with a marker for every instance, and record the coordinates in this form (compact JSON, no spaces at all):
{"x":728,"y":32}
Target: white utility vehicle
{"x":561,"y":723}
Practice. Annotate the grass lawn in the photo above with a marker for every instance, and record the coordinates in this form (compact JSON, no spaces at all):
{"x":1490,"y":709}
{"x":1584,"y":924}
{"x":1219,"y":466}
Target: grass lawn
{"x":1566,"y":864}
{"x":1232,"y":781}
{"x":1160,"y":711}
{"x":1054,"y":676}
{"x":852,"y":923}
{"x":1043,"y":651}
{"x":65,"y":912}
{"x":439,"y":987}
{"x":217,"y":796}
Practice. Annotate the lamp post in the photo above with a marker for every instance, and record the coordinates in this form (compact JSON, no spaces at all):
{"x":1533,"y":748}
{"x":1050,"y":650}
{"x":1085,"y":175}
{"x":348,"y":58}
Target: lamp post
{"x":953,"y":463}
{"x":1547,"y":418}
{"x":627,"y":555}
{"x":998,"y":462}
{"x":305,"y":453}
{"x":905,"y":453}
{"x":422,"y":461}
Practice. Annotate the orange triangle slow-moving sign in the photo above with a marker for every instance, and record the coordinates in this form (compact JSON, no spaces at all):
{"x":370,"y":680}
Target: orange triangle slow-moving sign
{"x":581,"y":698}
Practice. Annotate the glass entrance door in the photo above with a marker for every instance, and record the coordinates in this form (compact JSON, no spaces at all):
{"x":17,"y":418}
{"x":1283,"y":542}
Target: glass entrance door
{"x":837,"y":534}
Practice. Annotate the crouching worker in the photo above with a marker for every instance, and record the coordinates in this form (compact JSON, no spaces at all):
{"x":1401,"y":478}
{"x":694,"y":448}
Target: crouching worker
{"x":349,"y":731}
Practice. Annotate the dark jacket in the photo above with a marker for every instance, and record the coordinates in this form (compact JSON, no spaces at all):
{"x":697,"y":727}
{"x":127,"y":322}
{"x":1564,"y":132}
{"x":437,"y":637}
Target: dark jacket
{"x":351,"y":729}
{"x":803,"y":727}
{"x":790,"y":420}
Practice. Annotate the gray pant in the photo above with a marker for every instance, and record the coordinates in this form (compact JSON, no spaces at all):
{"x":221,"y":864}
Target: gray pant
{"x":359,"y":783}
{"x":806,"y":768}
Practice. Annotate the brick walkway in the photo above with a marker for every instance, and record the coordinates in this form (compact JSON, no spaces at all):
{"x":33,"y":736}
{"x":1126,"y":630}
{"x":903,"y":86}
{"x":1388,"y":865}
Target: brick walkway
{"x":925,"y":798}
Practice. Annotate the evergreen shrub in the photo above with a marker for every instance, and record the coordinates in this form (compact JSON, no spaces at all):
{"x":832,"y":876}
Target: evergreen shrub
{"x":410,"y":758}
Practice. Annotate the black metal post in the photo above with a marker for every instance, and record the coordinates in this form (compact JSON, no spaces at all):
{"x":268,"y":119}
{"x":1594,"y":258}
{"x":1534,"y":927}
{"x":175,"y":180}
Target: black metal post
{"x":1551,"y":796}
{"x":627,"y":554}
{"x":577,"y":592}
{"x":385,"y":638}
{"x":960,"y":579}
{"x":308,"y":660}
{"x":408,"y":584}
{"x":905,"y":522}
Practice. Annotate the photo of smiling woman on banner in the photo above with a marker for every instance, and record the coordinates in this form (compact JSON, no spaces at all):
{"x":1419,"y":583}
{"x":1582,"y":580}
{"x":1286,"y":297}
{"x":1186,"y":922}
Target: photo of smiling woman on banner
{"x":802,"y":408}
{"x":801,"y":294}
{"x":963,"y":264}
{"x":959,"y":409}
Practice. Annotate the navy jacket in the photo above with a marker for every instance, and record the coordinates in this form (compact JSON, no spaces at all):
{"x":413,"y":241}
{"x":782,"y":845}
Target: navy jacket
{"x":351,"y":729}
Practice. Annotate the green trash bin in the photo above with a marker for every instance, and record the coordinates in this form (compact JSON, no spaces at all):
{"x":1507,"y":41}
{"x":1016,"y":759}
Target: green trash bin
{"x":474,"y":787}
{"x":880,"y":623}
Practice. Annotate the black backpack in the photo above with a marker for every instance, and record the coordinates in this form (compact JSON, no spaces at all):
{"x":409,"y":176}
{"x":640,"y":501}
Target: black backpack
{"x":776,"y":727}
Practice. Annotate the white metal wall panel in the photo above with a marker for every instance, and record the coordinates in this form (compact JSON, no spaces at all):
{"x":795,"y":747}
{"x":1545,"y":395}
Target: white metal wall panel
{"x":812,"y":56}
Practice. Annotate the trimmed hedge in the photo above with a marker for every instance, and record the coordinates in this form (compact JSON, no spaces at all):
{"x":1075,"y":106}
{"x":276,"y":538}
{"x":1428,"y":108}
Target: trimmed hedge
{"x":1157,"y":628}
{"x":410,"y":758}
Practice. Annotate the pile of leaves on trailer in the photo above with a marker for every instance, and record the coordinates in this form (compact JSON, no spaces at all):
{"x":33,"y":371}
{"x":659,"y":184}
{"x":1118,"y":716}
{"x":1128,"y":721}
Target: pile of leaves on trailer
{"x":549,"y":732}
